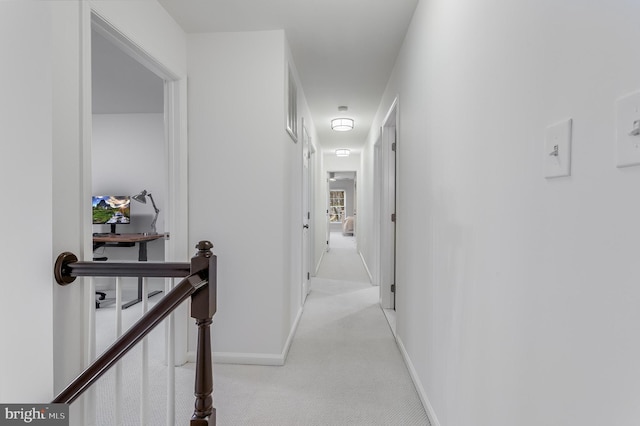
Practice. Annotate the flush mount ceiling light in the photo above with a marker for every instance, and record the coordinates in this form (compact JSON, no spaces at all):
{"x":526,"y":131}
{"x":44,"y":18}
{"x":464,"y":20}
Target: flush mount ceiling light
{"x":342,"y":152}
{"x":342,"y":124}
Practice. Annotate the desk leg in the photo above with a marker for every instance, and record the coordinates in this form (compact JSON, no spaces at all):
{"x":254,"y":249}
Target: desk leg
{"x":142,"y":257}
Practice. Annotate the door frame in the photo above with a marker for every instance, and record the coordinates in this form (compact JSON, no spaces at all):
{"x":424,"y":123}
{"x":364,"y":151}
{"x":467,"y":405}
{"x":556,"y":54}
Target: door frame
{"x":386,"y":180}
{"x":348,"y":207}
{"x":327,"y":201}
{"x":176,"y":207}
{"x":377,"y":203}
{"x":176,"y":184}
{"x":307,"y":211}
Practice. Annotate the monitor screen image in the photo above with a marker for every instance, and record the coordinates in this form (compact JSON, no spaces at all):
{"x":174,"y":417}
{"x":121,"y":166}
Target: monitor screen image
{"x":111,"y":209}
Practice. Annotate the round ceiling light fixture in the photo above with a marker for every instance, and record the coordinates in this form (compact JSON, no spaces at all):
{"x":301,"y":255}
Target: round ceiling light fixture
{"x":342,"y":124}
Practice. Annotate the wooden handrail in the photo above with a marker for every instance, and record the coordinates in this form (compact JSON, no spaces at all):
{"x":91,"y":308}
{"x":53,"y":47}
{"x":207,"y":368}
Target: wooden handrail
{"x":200,"y":284}
{"x":67,"y":269}
{"x":128,"y":340}
{"x":128,"y":269}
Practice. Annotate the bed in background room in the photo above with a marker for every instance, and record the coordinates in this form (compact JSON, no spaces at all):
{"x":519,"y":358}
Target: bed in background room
{"x":348,"y":225}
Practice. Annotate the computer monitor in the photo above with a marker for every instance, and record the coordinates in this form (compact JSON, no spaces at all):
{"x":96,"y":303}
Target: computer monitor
{"x":111,"y":210}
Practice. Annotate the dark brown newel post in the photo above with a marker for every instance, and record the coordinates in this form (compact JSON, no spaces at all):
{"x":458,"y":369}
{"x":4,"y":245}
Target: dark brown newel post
{"x":203,"y":307}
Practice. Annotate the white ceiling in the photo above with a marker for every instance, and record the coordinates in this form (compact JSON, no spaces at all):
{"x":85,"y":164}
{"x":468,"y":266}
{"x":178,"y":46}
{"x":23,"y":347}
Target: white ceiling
{"x":343,"y":175}
{"x":344,"y":50}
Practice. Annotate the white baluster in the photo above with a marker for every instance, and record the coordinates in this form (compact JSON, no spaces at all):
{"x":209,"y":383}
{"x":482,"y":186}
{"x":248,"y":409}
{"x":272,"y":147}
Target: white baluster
{"x":171,"y":355}
{"x":118,"y":367}
{"x":144,"y":382}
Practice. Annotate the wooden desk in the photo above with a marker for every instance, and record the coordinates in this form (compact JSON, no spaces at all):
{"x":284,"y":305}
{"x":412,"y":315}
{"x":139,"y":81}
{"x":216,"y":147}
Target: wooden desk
{"x":129,"y":240}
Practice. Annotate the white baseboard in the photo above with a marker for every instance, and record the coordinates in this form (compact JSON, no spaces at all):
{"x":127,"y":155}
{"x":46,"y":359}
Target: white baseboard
{"x":319,"y":262}
{"x":248,"y":358}
{"x":292,"y":333}
{"x":366,"y":268}
{"x":255,"y":358}
{"x":418,"y":384}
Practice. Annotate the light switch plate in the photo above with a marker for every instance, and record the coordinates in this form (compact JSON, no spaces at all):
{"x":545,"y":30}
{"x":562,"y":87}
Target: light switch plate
{"x":557,"y":150}
{"x":627,"y":146}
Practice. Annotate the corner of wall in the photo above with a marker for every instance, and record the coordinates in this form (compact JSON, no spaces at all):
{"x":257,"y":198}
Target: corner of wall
{"x":255,"y":358}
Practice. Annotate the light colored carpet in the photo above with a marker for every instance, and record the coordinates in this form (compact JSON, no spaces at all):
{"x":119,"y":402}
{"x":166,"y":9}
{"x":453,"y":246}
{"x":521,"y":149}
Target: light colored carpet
{"x":338,"y":240}
{"x":342,"y":261}
{"x":343,"y":368}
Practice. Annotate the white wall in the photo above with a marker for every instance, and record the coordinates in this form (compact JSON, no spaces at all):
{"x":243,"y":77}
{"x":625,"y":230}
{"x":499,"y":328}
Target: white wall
{"x":245,"y":176}
{"x":43,"y":154}
{"x":333,"y":163}
{"x":298,"y":279}
{"x":319,"y":219}
{"x":26,"y":122}
{"x":128,"y":155}
{"x":366,"y":214}
{"x":517,"y":298}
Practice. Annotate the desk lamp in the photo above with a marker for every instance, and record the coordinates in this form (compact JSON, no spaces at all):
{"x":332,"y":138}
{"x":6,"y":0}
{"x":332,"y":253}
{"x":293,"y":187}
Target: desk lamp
{"x":142,"y":198}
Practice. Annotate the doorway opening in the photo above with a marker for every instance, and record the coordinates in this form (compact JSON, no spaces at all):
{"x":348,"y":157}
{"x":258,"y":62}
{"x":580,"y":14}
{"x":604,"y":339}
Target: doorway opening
{"x":342,"y":261}
{"x":134,"y":140}
{"x":342,"y":208}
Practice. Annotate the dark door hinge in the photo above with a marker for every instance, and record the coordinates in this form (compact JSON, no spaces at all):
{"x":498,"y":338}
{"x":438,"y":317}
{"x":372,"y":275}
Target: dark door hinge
{"x":393,"y":146}
{"x":308,"y":276}
{"x":393,"y":217}
{"x":393,"y":288}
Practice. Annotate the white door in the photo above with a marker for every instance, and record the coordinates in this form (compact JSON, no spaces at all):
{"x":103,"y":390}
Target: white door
{"x":328,"y":201}
{"x":388,"y":148}
{"x":306,"y":213}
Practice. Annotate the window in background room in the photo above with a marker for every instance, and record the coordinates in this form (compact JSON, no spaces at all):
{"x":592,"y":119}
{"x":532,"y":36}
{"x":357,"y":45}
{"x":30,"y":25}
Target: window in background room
{"x":336,"y":205}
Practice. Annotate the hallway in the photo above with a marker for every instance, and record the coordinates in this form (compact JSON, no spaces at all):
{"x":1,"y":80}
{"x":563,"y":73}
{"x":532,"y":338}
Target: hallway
{"x":343,"y":367}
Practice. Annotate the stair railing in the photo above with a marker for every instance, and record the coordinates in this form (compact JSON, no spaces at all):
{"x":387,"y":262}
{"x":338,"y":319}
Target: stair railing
{"x":199,"y":284}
